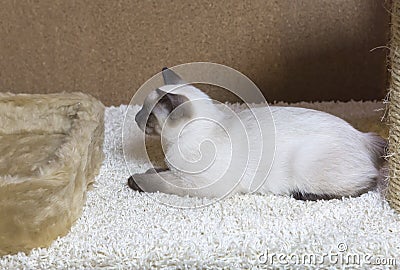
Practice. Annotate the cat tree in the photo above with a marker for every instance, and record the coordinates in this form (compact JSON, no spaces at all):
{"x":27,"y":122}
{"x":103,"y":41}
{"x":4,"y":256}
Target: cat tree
{"x":394,"y":111}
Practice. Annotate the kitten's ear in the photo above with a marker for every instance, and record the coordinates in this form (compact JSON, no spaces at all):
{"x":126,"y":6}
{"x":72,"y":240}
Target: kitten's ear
{"x":178,"y":105}
{"x":171,"y":77}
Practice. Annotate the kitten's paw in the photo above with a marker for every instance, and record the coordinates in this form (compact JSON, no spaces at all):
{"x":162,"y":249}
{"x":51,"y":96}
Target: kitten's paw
{"x":132,"y":184}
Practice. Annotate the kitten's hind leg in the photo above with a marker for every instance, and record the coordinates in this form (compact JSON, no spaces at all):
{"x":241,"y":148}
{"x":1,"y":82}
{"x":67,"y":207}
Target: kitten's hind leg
{"x":313,"y":197}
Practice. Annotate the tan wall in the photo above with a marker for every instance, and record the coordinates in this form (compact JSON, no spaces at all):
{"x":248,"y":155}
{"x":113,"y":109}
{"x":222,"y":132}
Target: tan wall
{"x":293,"y":50}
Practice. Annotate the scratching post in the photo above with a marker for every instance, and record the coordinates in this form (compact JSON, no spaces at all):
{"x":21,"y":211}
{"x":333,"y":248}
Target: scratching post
{"x":394,"y":111}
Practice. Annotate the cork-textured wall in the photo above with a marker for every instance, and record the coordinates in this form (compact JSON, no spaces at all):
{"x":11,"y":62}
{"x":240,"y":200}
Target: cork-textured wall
{"x":293,"y":50}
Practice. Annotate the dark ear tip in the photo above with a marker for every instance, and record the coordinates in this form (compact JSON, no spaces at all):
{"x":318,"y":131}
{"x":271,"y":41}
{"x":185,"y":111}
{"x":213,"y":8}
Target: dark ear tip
{"x":164,"y":68}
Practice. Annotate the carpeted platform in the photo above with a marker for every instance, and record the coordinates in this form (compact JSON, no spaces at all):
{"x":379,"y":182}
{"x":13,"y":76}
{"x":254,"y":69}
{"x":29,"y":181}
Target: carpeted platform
{"x":121,"y":228}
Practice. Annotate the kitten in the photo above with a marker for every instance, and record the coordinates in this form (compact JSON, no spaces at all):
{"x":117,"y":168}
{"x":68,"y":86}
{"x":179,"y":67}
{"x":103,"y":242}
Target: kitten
{"x":213,"y":152}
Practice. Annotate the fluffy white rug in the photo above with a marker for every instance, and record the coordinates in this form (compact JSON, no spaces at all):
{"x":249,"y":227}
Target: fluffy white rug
{"x":121,"y":228}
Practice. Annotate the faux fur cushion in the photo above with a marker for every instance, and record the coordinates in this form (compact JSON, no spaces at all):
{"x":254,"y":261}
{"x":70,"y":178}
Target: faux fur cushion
{"x":50,"y":151}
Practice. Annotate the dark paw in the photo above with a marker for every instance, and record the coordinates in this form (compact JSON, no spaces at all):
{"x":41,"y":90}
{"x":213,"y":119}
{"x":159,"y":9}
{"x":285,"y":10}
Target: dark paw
{"x":132,"y":184}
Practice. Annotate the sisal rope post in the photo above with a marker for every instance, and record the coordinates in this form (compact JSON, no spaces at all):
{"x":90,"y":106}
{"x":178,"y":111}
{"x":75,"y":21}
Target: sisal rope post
{"x":393,"y":194}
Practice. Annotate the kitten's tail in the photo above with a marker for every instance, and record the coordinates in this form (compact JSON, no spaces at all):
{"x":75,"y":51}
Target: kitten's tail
{"x":378,"y":149}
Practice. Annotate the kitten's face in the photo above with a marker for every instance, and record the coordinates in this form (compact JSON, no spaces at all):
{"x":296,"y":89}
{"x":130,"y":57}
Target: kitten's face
{"x":162,"y":110}
{"x":171,"y":106}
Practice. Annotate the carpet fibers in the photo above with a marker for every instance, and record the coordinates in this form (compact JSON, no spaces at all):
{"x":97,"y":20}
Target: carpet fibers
{"x":121,"y":228}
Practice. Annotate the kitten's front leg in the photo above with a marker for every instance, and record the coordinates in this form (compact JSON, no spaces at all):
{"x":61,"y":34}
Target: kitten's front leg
{"x":158,"y":180}
{"x":170,"y":183}
{"x":156,"y":170}
{"x":131,"y":181}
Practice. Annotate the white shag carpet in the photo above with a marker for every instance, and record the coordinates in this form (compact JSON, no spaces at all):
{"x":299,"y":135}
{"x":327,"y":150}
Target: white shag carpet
{"x":122,"y":229}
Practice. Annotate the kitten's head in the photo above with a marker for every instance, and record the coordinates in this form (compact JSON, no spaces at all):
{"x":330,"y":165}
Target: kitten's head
{"x":171,"y":106}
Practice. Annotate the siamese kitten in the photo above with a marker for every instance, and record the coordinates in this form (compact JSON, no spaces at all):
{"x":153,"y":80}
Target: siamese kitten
{"x":213,"y":152}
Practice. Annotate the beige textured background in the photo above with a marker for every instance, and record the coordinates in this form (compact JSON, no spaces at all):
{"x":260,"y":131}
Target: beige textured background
{"x":293,"y":50}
